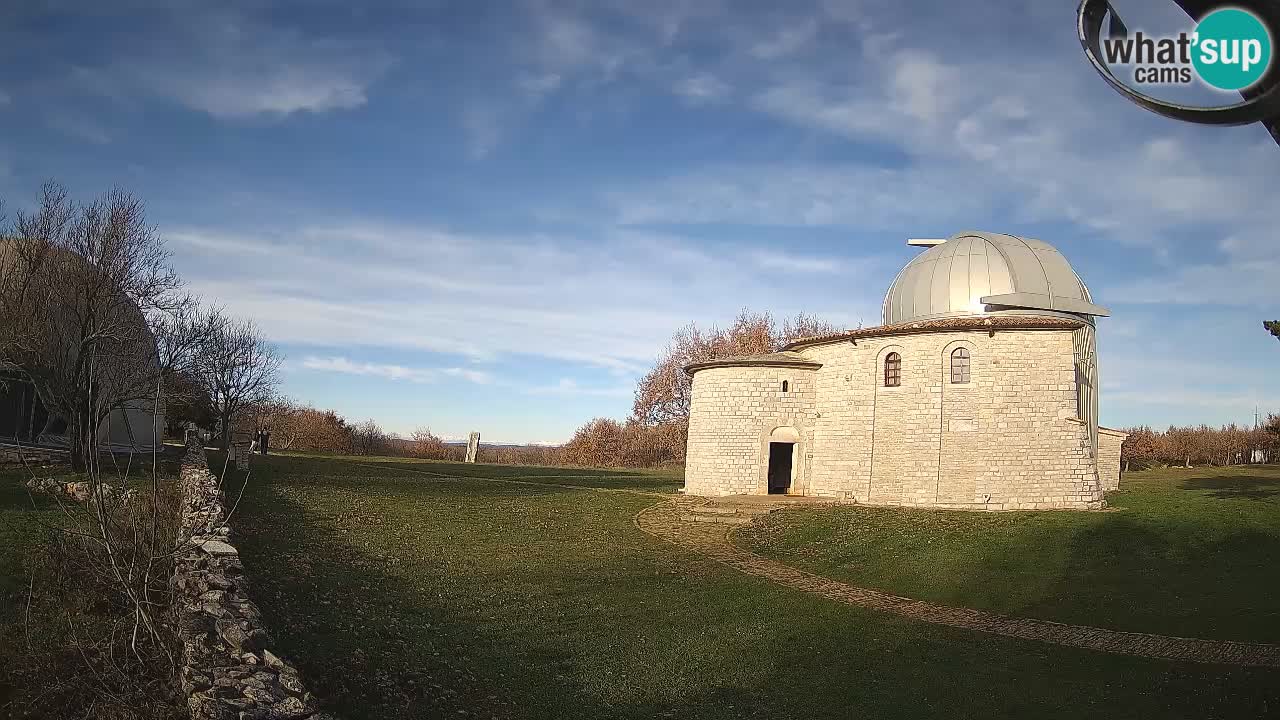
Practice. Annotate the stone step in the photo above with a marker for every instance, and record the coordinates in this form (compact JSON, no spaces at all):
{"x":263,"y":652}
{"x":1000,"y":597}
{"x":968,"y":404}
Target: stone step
{"x":713,"y":510}
{"x":732,"y":510}
{"x":722,"y":519}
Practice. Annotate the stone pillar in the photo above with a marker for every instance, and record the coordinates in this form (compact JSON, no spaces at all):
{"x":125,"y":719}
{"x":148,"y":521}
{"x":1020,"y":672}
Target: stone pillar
{"x":473,"y":445}
{"x":241,"y":450}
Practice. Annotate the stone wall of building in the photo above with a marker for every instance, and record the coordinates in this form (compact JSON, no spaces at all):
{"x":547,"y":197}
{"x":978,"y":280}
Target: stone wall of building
{"x":733,"y":412}
{"x":1109,"y":442}
{"x":228,"y":672}
{"x":1003,"y":441}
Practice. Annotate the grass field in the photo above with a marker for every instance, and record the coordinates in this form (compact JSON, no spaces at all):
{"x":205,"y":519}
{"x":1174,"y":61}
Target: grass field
{"x":403,"y":592}
{"x":1192,"y":552}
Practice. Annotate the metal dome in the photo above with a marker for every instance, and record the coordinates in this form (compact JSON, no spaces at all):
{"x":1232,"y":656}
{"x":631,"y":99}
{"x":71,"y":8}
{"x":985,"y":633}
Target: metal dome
{"x":978,"y":273}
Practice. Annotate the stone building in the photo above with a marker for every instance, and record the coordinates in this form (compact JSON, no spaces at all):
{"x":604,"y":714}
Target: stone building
{"x":979,"y":391}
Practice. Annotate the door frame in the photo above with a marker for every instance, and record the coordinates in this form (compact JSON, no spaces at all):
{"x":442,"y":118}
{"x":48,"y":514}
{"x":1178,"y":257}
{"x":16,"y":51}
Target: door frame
{"x":783,"y":431}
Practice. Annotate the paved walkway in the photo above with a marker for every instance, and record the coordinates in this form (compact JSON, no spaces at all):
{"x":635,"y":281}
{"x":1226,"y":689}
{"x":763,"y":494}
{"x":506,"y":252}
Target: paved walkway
{"x":712,"y":539}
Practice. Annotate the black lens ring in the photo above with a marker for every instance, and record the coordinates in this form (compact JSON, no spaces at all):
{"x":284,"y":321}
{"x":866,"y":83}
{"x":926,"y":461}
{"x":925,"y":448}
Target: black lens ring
{"x":1261,"y":107}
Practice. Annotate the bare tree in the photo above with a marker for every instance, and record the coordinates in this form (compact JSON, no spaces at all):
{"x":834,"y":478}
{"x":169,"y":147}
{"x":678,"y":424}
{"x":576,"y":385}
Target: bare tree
{"x":237,"y":367}
{"x":82,"y":287}
{"x":598,"y":443}
{"x":78,"y":284}
{"x":663,"y":393}
{"x":368,"y":438}
{"x":426,"y":444}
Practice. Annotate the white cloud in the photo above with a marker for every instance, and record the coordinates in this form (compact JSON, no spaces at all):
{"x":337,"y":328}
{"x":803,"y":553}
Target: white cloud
{"x":538,"y":85}
{"x":78,"y":127}
{"x":772,"y":260}
{"x":786,"y":41}
{"x":234,"y":92}
{"x":566,"y":40}
{"x":610,"y":301}
{"x":233,"y":65}
{"x":570,"y":387}
{"x":702,"y":87}
{"x":1238,"y":405}
{"x":967,"y":137}
{"x":1231,"y":283}
{"x":483,"y":125}
{"x":904,"y":199}
{"x":392,"y":372}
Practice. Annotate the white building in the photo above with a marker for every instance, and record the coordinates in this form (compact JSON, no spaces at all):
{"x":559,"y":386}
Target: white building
{"x":978,"y":391}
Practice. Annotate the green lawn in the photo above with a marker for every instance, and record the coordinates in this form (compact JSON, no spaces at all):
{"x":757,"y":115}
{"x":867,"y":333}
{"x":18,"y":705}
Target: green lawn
{"x":1193,"y":552}
{"x":403,"y":593}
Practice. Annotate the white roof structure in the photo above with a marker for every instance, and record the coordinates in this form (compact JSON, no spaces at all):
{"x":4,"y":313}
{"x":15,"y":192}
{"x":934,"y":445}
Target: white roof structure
{"x":979,"y":273}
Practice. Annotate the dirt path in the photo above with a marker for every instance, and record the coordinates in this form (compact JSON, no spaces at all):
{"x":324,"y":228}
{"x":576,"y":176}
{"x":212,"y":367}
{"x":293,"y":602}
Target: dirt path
{"x":713,"y":540}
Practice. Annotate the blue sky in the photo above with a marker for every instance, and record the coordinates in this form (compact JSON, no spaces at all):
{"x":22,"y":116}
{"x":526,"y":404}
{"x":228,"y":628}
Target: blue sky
{"x":492,"y":216}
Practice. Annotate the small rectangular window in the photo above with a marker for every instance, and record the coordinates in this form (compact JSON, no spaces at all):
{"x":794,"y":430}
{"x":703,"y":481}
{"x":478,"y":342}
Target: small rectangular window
{"x":784,"y":386}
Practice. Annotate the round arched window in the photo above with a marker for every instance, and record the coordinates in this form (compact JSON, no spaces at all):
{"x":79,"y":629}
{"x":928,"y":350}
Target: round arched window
{"x":892,"y":370}
{"x":960,"y":366}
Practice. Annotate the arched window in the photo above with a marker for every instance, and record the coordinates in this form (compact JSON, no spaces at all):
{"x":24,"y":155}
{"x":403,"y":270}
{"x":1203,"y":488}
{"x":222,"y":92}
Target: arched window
{"x":893,"y":370}
{"x":960,"y":366}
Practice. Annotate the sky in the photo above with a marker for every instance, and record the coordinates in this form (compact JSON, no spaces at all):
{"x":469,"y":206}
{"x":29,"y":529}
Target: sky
{"x":492,"y":216}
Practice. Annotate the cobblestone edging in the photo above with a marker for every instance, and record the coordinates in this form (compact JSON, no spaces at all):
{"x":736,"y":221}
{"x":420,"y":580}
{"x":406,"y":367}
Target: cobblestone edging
{"x":714,"y":540}
{"x":227,"y":671}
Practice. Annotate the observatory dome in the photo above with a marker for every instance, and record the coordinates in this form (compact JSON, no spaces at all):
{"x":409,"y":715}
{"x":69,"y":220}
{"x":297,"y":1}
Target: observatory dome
{"x":979,"y":273}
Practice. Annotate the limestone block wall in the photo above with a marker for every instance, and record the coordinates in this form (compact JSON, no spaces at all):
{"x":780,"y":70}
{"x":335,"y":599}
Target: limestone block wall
{"x":228,"y":670}
{"x":1109,"y":442}
{"x":1002,"y":441}
{"x":733,"y":411}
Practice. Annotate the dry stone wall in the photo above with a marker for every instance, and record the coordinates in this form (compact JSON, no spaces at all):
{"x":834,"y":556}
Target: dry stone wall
{"x":228,"y":670}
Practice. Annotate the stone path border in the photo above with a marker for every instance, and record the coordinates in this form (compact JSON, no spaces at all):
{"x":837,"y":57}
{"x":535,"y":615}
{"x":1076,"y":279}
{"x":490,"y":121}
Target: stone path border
{"x":663,"y":521}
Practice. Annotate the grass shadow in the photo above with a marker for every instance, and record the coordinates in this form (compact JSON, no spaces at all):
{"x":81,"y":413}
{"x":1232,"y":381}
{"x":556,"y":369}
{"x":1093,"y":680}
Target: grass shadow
{"x":1190,"y":555}
{"x":1236,"y":486}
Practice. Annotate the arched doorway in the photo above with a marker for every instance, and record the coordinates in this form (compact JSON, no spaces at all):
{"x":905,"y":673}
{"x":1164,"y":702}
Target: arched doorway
{"x":782,"y":452}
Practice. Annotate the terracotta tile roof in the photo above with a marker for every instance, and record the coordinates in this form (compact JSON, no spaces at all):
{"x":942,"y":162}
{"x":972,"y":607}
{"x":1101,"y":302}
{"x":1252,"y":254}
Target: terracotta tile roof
{"x":967,"y":322}
{"x":778,"y":359}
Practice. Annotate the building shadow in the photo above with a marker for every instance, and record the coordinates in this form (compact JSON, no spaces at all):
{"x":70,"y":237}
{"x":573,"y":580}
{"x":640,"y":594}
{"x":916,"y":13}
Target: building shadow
{"x":1240,"y":485}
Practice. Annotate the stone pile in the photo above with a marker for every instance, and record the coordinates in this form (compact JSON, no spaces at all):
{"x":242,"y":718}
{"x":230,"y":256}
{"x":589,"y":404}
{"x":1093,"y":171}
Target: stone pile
{"x":228,"y":672}
{"x":75,"y":491}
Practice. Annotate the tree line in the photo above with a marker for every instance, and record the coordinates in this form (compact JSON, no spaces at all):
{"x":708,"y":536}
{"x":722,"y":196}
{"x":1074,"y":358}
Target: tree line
{"x":599,"y":443}
{"x":1193,"y":446}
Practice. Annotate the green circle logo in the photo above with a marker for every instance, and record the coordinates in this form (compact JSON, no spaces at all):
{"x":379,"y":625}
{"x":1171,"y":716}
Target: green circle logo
{"x":1232,"y":49}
